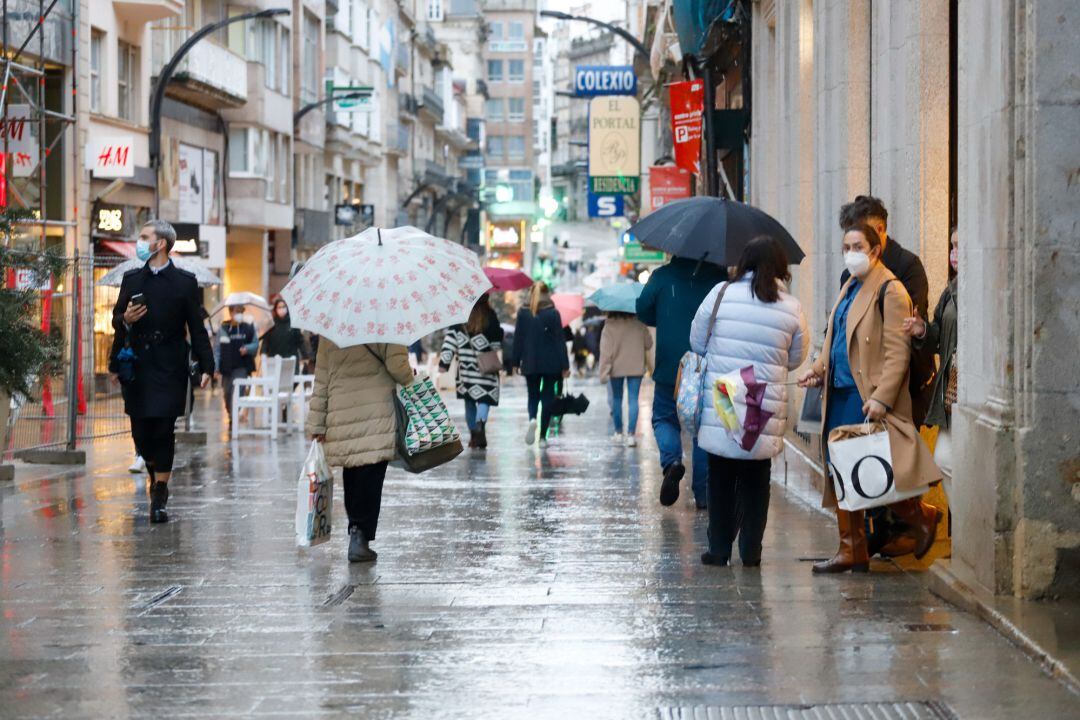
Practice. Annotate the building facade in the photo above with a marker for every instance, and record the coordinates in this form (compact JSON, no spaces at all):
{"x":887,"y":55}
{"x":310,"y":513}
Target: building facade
{"x":954,"y":114}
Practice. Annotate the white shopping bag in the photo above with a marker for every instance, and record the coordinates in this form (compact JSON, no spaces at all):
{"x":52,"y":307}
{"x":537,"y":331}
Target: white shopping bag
{"x":860,"y":463}
{"x":314,"y":499}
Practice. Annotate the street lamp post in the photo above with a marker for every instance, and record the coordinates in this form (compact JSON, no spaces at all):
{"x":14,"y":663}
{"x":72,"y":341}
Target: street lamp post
{"x":167,"y":72}
{"x":638,"y":46}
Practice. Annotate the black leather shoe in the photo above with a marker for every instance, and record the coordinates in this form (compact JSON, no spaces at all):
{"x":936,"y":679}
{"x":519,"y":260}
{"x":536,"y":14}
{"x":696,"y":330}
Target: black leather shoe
{"x":669,"y":489}
{"x":159,"y":497}
{"x":708,"y":558}
{"x":358,"y":547}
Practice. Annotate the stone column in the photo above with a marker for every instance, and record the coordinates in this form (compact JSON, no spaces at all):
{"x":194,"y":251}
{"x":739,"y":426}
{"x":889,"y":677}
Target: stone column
{"x":1017,"y":426}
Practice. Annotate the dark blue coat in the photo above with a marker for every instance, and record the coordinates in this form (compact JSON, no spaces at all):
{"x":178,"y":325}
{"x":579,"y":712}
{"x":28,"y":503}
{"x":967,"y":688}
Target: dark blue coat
{"x":160,"y":340}
{"x":540,"y":343}
{"x":668,"y":303}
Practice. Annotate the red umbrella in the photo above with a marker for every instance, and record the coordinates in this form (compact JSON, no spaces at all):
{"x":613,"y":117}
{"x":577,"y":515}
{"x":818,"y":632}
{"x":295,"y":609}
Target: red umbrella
{"x":570,"y":307}
{"x":507,"y":280}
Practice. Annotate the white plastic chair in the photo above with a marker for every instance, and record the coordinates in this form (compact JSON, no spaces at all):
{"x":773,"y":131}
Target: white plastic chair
{"x":264,"y":395}
{"x":303,"y":386}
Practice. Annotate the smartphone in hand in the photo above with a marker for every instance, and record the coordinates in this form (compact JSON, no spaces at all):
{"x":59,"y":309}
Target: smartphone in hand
{"x":138,"y":299}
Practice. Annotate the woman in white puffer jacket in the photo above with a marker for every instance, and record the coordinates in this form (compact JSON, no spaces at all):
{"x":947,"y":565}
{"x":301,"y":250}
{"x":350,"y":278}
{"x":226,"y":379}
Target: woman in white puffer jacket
{"x":759,"y":325}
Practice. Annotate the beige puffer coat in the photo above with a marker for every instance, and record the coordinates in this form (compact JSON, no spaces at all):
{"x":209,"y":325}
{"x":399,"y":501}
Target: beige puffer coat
{"x":352,"y":402}
{"x":624,"y":348}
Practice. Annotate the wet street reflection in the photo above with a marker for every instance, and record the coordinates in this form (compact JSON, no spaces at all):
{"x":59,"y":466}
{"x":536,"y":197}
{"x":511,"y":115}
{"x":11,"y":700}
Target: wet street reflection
{"x":512,"y":583}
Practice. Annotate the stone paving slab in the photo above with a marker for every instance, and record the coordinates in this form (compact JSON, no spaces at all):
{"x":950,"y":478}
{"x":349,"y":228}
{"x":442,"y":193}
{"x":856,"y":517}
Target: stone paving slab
{"x":510,"y":584}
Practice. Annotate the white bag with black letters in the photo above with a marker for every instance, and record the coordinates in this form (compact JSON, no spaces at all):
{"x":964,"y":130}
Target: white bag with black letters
{"x":860,"y":463}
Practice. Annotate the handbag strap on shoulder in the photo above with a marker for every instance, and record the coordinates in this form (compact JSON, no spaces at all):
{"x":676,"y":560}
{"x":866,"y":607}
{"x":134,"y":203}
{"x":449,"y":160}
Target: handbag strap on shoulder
{"x":715,"y":310}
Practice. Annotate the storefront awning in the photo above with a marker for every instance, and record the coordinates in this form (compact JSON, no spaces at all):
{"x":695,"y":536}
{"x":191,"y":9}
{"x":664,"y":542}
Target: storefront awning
{"x":120,"y":247}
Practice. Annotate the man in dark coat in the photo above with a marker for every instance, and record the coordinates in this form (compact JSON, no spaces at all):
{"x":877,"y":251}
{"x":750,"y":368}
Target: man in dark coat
{"x":887,"y":535}
{"x":668,"y":303}
{"x":157,"y":304}
{"x":238,"y":344}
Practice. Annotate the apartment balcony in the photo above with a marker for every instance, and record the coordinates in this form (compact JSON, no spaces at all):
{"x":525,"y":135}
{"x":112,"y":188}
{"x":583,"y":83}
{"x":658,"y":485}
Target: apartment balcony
{"x":431,"y":105}
{"x":568,"y":169}
{"x":435,"y":174}
{"x":407,"y":107}
{"x":426,"y":42}
{"x":211,"y":77}
{"x":401,"y":59}
{"x":455,"y":137}
{"x":141,"y":12}
{"x":397,"y":140}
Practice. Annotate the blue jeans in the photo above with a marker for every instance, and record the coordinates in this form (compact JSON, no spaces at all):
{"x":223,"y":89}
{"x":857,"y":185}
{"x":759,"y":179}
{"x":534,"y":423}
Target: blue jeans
{"x":633,"y":385}
{"x":475,"y":412}
{"x":668,"y":432}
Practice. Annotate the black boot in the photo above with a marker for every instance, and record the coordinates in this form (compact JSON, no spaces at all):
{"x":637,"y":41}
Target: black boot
{"x":669,"y":488}
{"x":358,"y":547}
{"x":481,"y":434}
{"x":159,"y":497}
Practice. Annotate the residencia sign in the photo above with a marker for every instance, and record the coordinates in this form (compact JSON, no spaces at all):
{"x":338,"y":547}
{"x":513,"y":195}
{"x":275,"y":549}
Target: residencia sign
{"x":614,"y":145}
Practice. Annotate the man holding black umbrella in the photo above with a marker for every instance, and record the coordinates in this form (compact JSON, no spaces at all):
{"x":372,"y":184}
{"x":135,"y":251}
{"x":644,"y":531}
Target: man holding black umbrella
{"x":157,"y":304}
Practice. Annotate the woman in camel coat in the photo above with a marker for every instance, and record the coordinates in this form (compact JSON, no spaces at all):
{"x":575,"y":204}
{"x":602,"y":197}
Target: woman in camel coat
{"x":865,"y":374}
{"x":352,"y":414}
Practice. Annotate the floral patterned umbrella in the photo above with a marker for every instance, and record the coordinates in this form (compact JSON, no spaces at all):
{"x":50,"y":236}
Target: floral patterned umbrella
{"x":385,"y":286}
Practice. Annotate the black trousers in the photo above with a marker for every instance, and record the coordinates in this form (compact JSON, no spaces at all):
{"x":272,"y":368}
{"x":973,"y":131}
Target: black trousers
{"x":542,"y":391}
{"x":155,"y":441}
{"x":738,"y":505}
{"x":363,"y":496}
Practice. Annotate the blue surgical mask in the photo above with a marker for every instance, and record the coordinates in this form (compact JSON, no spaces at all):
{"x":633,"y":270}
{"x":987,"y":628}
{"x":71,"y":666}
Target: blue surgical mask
{"x":142,"y":250}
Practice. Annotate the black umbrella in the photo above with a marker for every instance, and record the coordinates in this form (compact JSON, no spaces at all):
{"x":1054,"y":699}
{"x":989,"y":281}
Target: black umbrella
{"x":711,"y":229}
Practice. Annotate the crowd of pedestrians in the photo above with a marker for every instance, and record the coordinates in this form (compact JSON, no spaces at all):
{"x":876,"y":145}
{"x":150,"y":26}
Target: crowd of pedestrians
{"x":882,"y":360}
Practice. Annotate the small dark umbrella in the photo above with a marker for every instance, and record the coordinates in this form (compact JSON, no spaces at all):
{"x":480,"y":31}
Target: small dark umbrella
{"x":711,"y":229}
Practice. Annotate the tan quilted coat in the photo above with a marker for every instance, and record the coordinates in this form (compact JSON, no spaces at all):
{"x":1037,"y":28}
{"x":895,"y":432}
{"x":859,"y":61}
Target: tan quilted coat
{"x":352,"y":402}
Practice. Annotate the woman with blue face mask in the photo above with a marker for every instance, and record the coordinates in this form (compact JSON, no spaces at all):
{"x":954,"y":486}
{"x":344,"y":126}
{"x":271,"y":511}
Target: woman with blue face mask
{"x":864,"y":367}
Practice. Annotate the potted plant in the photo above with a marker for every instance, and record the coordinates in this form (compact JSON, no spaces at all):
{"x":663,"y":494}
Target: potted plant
{"x":24,"y":348}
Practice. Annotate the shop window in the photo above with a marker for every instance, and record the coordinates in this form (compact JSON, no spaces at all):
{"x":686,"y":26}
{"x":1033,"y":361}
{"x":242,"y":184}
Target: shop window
{"x":127,"y":74}
{"x":97,"y":41}
{"x":517,"y":71}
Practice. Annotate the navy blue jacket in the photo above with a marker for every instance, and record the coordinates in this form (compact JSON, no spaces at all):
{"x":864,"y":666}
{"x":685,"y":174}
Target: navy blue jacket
{"x":668,"y":303}
{"x":539,"y":342}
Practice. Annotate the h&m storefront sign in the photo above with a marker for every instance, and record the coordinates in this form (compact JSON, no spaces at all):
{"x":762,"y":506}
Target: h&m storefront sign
{"x":593,"y":80}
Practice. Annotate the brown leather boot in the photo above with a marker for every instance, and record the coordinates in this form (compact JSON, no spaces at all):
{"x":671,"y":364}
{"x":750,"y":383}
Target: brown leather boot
{"x":852,"y":554}
{"x":923,"y":519}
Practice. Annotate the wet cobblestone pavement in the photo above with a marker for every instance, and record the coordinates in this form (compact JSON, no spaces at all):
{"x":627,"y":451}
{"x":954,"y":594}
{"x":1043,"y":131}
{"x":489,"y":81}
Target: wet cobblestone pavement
{"x":510,"y":584}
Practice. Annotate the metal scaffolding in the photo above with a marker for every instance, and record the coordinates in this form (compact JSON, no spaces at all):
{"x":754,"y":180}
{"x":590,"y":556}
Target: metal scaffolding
{"x":39,"y":47}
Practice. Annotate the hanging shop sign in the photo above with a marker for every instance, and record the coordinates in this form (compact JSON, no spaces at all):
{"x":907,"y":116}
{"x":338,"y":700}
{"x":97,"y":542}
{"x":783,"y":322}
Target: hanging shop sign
{"x":206,"y":242}
{"x":366,"y":214}
{"x":345,"y":214}
{"x":687,"y":103}
{"x":633,"y":252}
{"x":667,"y":183}
{"x":606,"y":206}
{"x":116,"y":221}
{"x":614,"y":145}
{"x":594,"y":80}
{"x":111,"y":156}
{"x":20,"y":134}
{"x":349,"y":98}
{"x":198,"y":182}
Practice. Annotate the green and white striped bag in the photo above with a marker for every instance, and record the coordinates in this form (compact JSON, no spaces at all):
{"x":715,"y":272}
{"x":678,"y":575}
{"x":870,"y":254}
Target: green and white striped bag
{"x":427,"y":437}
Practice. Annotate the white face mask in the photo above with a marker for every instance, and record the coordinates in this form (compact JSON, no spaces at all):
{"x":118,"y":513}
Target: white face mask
{"x":858,"y":263}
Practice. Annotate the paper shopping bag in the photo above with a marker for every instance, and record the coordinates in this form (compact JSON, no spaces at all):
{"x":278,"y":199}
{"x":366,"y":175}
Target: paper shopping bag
{"x":860,"y":463}
{"x":314,"y":499}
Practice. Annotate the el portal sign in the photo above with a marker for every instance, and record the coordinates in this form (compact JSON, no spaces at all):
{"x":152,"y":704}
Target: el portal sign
{"x":614,"y":145}
{"x":593,"y":80}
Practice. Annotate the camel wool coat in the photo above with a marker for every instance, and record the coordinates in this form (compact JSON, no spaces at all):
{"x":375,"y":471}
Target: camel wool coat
{"x":352,"y":402}
{"x":624,"y":348}
{"x":879,"y":353}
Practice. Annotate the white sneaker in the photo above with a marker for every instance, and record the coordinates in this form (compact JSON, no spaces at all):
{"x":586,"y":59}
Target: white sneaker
{"x":617,"y":438}
{"x":631,"y":441}
{"x":543,"y":444}
{"x":530,"y":433}
{"x":139,"y":466}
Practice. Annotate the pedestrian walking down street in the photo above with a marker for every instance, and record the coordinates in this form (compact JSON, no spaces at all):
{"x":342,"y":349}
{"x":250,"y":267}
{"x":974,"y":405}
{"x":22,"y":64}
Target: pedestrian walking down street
{"x":624,"y":360}
{"x":352,"y":414}
{"x":157,"y":304}
{"x":476,"y":345}
{"x":282,"y":339}
{"x":864,"y":368}
{"x":238,"y":344}
{"x":760,"y":325}
{"x":540,"y":355}
{"x":668,"y":303}
{"x":940,"y":337}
